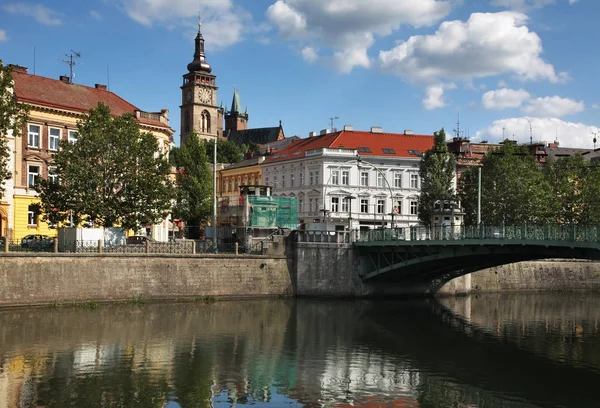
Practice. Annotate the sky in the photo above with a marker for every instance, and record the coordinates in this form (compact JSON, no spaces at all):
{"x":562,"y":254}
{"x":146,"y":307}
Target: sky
{"x":491,"y":69}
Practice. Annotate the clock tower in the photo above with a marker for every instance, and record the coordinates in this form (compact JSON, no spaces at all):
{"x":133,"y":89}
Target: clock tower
{"x":199,"y":111}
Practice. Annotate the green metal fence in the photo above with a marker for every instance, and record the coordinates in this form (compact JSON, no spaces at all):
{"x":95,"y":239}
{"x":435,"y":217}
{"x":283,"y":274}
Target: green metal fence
{"x":273,"y":212}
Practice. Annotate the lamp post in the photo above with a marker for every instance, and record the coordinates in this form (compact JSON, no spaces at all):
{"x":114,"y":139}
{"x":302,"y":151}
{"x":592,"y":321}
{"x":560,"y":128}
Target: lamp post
{"x":349,"y":199}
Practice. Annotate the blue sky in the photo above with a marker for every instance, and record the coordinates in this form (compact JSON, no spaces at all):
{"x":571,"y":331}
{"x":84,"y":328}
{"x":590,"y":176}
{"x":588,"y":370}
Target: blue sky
{"x":518,"y":68}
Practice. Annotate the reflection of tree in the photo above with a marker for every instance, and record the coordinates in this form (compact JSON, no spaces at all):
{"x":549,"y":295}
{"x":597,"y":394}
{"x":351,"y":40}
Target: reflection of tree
{"x":193,"y":376}
{"x":123,"y":384}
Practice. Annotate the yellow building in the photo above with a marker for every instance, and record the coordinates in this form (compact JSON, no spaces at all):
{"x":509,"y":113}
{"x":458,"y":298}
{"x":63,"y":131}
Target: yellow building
{"x":56,"y":107}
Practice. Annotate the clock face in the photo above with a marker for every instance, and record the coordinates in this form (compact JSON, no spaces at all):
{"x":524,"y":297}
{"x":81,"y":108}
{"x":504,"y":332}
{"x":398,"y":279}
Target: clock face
{"x":204,"y":95}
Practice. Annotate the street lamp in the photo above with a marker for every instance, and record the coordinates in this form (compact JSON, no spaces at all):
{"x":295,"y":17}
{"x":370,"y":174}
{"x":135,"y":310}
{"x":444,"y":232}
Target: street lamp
{"x":349,"y":200}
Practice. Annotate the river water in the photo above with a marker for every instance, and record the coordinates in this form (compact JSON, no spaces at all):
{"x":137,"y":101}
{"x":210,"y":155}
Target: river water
{"x":480,"y":351}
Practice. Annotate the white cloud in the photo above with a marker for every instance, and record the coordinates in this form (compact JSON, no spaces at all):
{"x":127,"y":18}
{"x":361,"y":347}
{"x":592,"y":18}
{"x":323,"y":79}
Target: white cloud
{"x":222,"y":23}
{"x":434,"y":96}
{"x":569,"y":134}
{"x":95,"y":15}
{"x":3,"y":36}
{"x":309,"y":54}
{"x":40,"y":13}
{"x":595,"y":106}
{"x":553,"y":106}
{"x":488,"y":44}
{"x":504,"y":98}
{"x":344,"y":30}
{"x":524,"y":4}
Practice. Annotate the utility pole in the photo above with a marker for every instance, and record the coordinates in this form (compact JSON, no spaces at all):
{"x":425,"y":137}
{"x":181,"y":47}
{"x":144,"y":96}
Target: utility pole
{"x":333,"y":129}
{"x":70,"y":62}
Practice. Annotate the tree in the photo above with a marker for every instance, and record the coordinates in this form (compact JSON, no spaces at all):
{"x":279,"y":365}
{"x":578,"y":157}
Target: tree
{"x":13,"y":117}
{"x":112,"y":176}
{"x":513,"y":188}
{"x":227,"y":151}
{"x":437,"y":172}
{"x":194,"y":181}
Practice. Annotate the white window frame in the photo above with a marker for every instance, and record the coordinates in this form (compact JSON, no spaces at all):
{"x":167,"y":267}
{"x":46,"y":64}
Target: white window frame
{"x":414,"y":181}
{"x":32,"y":217}
{"x":335,"y":204}
{"x":52,"y":175}
{"x":33,"y":137}
{"x":414,"y":207}
{"x":316,"y":177}
{"x":345,"y":177}
{"x":32,"y":176}
{"x":301,"y":178}
{"x":72,"y":136}
{"x":345,"y":205}
{"x":283,"y":181}
{"x":53,"y":140}
{"x":311,"y":178}
{"x":292,"y":180}
{"x":380,"y":206}
{"x":364,"y":178}
{"x":335,"y":177}
{"x":364,"y":205}
{"x":300,"y":205}
{"x":398,"y":179}
{"x":380,"y":179}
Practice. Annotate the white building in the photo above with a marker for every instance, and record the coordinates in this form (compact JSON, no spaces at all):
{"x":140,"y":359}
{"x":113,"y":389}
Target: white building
{"x":351,"y":179}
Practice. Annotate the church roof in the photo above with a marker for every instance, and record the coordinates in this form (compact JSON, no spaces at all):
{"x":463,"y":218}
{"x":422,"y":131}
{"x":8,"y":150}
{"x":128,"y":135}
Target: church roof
{"x":367,"y":144}
{"x":235,"y":104}
{"x":256,"y":135}
{"x":54,"y":93}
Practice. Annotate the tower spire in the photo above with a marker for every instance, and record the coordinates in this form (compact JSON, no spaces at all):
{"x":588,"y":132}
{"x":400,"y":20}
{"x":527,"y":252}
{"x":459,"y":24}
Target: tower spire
{"x":199,"y":63}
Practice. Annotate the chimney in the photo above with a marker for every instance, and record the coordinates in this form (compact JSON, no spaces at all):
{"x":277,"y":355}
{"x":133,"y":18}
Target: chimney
{"x":100,"y":87}
{"x":164,"y":112}
{"x":65,"y":79}
{"x":376,"y":129}
{"x":348,"y":128}
{"x":18,"y":68}
{"x":408,"y":132}
{"x":312,"y":134}
{"x":323,"y":132}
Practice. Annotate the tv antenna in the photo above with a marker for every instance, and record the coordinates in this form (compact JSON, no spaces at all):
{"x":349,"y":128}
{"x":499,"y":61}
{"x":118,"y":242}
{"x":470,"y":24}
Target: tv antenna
{"x":530,"y":132}
{"x":331,"y":122}
{"x":70,"y":62}
{"x":457,"y":130}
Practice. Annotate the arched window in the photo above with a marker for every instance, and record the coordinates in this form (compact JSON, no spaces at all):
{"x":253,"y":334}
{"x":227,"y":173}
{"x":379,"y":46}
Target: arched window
{"x":187,"y":121}
{"x":205,"y":122}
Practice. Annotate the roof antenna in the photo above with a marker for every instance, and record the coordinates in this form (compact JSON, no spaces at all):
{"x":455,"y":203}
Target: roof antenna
{"x":457,"y":130}
{"x":333,"y":129}
{"x":71,"y":63}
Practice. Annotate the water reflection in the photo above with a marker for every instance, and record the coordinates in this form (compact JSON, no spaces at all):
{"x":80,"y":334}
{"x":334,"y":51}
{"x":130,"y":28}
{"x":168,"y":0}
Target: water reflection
{"x":492,"y":351}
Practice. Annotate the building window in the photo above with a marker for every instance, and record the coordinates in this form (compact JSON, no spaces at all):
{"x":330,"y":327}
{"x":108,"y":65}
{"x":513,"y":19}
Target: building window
{"x":52,"y":175}
{"x":32,"y":216}
{"x":345,"y":205}
{"x":230,"y":189}
{"x":53,"y":138}
{"x":398,"y":207}
{"x":335,"y":204}
{"x":364,"y":178}
{"x":300,"y":205}
{"x":33,"y":172}
{"x":398,"y":179}
{"x":414,"y":205}
{"x":301,"y":179}
{"x":274,"y":181}
{"x":380,"y":180}
{"x":310,"y":178}
{"x":380,"y":206}
{"x":335,"y":177}
{"x":345,"y":177}
{"x":414,"y":181}
{"x":292,"y":180}
{"x":283,"y":181}
{"x":205,"y":122}
{"x":317,"y":177}
{"x":310,"y":204}
{"x":364,"y":205}
{"x":33,"y":137}
{"x":72,"y":136}
{"x":224,"y":186}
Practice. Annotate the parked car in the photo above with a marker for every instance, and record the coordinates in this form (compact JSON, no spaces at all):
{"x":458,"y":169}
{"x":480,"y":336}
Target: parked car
{"x":36,"y":241}
{"x":138,"y":240}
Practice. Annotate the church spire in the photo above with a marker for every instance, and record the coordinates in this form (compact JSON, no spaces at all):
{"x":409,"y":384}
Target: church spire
{"x":235,"y":104}
{"x":199,"y":63}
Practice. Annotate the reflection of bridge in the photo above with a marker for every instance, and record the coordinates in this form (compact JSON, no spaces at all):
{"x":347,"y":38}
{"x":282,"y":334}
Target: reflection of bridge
{"x":437,"y":255}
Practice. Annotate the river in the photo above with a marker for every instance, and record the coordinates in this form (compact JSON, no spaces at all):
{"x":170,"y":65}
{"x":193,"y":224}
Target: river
{"x":533,"y":350}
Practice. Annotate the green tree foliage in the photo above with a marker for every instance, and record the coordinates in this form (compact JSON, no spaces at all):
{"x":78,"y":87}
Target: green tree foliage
{"x":513,"y":189}
{"x":437,"y":171}
{"x":13,"y":117}
{"x":112,"y":176}
{"x":576,"y":189}
{"x":194,"y":180}
{"x":227,"y":151}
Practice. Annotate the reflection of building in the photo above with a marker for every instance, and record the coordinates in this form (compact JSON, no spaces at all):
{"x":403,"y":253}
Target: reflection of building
{"x":56,"y":107}
{"x":330,"y":184}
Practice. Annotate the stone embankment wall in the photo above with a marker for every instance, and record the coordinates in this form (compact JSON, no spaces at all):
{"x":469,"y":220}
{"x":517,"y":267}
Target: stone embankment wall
{"x":27,"y":279}
{"x":546,"y":275}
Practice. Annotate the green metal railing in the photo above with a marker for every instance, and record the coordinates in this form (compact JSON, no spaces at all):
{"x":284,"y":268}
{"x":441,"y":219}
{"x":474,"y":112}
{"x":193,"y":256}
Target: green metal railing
{"x":524,"y":232}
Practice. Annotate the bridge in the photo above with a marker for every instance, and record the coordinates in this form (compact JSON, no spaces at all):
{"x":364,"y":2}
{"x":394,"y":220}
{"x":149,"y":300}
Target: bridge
{"x":436,"y":255}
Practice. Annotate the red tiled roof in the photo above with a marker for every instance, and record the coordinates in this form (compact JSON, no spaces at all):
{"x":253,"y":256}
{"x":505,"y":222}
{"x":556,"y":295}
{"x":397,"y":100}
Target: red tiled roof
{"x":375,"y":142}
{"x":40,"y":90}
